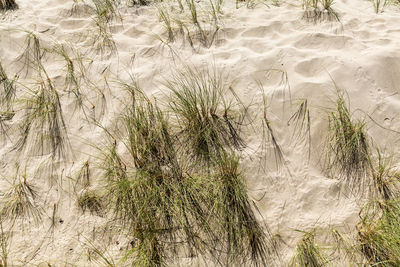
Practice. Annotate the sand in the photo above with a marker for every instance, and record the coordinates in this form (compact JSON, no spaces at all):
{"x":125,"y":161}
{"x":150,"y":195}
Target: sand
{"x":255,"y":45}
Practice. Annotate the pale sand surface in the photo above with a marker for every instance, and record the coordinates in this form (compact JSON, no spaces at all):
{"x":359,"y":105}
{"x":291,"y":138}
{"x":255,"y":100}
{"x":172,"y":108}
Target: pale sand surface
{"x":360,"y":54}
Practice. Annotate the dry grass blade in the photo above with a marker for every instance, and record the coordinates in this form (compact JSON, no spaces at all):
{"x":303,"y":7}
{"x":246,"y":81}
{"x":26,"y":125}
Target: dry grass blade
{"x":301,"y":123}
{"x":269,"y":138}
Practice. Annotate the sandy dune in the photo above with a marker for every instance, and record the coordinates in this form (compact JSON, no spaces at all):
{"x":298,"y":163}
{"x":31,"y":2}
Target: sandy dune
{"x":267,"y":45}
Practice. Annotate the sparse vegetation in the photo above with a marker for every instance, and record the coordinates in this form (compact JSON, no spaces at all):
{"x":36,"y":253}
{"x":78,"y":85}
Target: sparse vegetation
{"x":190,"y":23}
{"x":104,"y":12}
{"x":168,"y":187}
{"x":82,"y":180}
{"x":72,"y":78}
{"x":139,"y":2}
{"x":105,"y":9}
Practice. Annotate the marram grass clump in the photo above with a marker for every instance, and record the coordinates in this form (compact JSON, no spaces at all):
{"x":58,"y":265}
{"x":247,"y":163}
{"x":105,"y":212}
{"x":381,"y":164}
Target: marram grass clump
{"x":149,"y":192}
{"x":308,"y":253}
{"x":379,"y":233}
{"x":8,"y":5}
{"x":385,"y":178}
{"x":43,"y":129}
{"x":348,"y":147}
{"x":207,"y":120}
{"x":243,"y":236}
{"x":91,"y":201}
{"x":20,"y":202}
{"x":8,"y":91}
{"x":172,"y":209}
{"x":319,"y":10}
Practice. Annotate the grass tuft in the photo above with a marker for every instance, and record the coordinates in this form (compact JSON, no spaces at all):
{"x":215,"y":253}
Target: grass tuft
{"x":386,"y":180}
{"x":7,"y":97}
{"x":348,"y":147}
{"x":207,"y":121}
{"x":43,"y":122}
{"x":194,"y":22}
{"x":102,"y":40}
{"x":301,"y":122}
{"x":243,"y":236}
{"x":8,"y":5}
{"x":8,"y":92}
{"x":72,"y":81}
{"x":379,"y":233}
{"x":82,"y":180}
{"x":138,"y":2}
{"x":379,"y":5}
{"x":4,"y":246}
{"x":148,"y":195}
{"x":31,"y":57}
{"x":269,"y":138}
{"x":20,"y":201}
{"x":319,"y":10}
{"x":171,"y":210}
{"x":308,"y":253}
{"x":90,"y":200}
